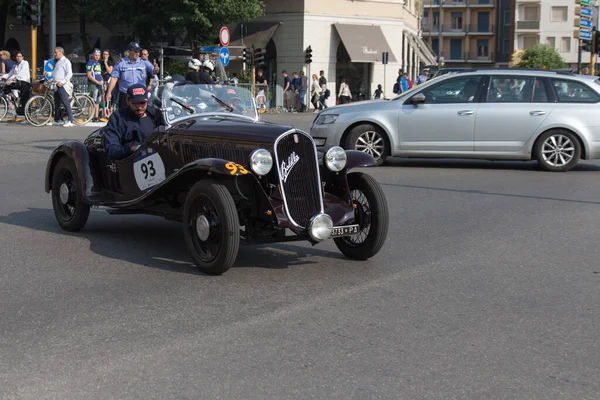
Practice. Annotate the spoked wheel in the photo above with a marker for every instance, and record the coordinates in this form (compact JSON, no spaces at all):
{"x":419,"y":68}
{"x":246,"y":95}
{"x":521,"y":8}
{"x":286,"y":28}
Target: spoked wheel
{"x":3,"y":108}
{"x":83,"y":109}
{"x":368,"y":139}
{"x":557,"y":150}
{"x":70,"y":211}
{"x":38,"y":110}
{"x":372,"y":216}
{"x":211,"y":227}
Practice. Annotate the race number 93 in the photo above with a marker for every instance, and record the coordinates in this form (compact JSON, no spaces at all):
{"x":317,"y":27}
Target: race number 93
{"x":149,"y":171}
{"x":234,"y":168}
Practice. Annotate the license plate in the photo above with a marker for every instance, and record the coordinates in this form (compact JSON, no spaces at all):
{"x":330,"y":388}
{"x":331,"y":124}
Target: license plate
{"x":345,"y":230}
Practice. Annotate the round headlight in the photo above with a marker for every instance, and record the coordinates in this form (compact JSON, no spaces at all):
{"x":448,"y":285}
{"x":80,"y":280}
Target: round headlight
{"x":320,"y":227}
{"x":335,"y":158}
{"x":261,"y":161}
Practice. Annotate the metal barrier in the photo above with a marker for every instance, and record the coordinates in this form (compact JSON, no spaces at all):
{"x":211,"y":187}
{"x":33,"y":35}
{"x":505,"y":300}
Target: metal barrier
{"x":80,"y":83}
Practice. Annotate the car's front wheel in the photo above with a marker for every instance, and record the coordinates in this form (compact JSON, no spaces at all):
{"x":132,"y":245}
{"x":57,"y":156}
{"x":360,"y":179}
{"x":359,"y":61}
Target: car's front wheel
{"x":557,"y":150}
{"x":70,"y":211}
{"x":211,"y":227}
{"x":369,"y":139}
{"x":371,"y":214}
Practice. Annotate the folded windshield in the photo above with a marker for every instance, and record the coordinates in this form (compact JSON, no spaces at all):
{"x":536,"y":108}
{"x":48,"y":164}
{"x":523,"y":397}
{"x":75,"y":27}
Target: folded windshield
{"x":182,"y":101}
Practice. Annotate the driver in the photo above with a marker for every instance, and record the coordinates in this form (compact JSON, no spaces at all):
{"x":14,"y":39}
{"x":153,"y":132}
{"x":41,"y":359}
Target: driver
{"x":128,"y":127}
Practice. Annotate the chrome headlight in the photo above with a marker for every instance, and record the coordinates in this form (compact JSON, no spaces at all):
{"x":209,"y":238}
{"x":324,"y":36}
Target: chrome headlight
{"x":326,"y":119}
{"x":261,"y":161}
{"x":335,"y":158}
{"x":320,"y":227}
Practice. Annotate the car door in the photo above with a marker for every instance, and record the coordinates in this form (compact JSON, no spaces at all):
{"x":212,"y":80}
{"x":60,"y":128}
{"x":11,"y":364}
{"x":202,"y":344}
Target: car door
{"x":445,"y":122}
{"x":514,"y":108}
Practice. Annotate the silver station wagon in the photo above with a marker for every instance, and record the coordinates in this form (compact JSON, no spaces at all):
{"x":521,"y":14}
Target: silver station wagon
{"x":493,"y":114}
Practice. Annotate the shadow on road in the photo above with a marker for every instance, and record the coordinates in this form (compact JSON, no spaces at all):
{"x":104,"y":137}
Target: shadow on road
{"x":447,"y":163}
{"x":157,"y":243}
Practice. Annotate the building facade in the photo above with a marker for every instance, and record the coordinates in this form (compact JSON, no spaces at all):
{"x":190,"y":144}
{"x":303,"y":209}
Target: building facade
{"x":462,"y":32}
{"x":347,"y":38}
{"x":505,"y":23}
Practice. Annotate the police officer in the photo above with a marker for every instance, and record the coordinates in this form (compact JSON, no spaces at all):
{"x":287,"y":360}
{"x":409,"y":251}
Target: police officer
{"x":205,"y":73}
{"x":129,"y":71}
{"x":127,"y":128}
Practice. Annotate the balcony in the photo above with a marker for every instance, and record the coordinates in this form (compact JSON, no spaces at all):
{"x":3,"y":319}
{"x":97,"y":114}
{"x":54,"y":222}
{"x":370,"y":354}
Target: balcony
{"x":481,"y":3}
{"x":529,"y":1}
{"x":445,"y":3}
{"x":480,"y":30}
{"x":473,"y":56}
{"x":529,"y":26}
{"x":460,"y":57}
{"x":447,"y":30}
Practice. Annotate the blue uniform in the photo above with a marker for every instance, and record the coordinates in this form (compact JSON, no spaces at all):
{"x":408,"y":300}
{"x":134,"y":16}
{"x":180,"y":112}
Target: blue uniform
{"x":123,"y":130}
{"x":130,"y":73}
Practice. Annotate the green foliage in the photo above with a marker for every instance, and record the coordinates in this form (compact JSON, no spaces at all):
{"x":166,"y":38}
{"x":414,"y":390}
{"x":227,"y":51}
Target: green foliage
{"x":245,"y":76}
{"x":542,"y":56}
{"x":173,"y":67}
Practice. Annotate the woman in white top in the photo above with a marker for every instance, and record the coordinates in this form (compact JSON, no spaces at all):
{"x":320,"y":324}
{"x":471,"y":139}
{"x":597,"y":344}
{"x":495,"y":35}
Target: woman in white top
{"x":345,"y":96}
{"x":315,"y":92}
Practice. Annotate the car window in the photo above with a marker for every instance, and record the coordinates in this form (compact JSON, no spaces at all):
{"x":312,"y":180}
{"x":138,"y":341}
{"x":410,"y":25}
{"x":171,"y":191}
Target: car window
{"x":456,"y":90}
{"x":517,"y":89}
{"x":569,"y":91}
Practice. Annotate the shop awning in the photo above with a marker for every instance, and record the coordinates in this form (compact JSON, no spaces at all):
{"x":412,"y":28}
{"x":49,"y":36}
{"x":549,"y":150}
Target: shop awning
{"x":364,"y":43}
{"x":258,"y":34}
{"x":421,"y":48}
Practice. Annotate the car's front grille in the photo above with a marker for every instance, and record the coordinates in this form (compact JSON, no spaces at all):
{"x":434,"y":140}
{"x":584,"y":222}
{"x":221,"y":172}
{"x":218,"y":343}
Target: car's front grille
{"x":192,"y":151}
{"x":299,"y":176}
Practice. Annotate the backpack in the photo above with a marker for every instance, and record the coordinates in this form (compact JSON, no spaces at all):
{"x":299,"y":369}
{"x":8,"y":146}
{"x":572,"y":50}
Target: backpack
{"x":327,"y":93}
{"x":396,"y":88}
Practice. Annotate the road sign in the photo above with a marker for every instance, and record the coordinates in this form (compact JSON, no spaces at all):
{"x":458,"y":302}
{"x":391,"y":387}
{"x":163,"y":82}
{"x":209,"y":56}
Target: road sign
{"x":209,"y":49}
{"x":224,"y":56}
{"x":385,"y":57}
{"x":224,"y":36}
{"x":585,"y":35}
{"x":585,"y":23}
{"x":585,"y":12}
{"x":587,"y":2}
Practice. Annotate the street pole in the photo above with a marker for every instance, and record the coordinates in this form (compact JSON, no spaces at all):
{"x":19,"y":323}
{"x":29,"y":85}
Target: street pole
{"x":440,"y":19}
{"x":384,"y":78}
{"x":253,"y":74}
{"x":579,"y":51}
{"x":592,"y":65}
{"x":33,"y":51}
{"x":52,"y":32}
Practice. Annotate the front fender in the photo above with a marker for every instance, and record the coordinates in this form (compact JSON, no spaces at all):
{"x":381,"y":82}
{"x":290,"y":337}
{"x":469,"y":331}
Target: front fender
{"x":356,"y":158}
{"x":78,"y":153}
{"x":219,"y":166}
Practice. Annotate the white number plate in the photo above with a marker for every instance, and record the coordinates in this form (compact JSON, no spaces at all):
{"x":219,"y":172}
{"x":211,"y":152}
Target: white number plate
{"x":149,"y":171}
{"x":345,"y":230}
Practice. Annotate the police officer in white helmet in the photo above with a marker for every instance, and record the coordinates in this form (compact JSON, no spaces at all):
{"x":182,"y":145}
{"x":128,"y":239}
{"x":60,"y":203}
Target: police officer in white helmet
{"x":205,"y":74}
{"x":193,"y":74}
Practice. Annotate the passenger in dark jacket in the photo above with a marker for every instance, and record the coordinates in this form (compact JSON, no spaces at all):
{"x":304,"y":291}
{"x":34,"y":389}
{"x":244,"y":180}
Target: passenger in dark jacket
{"x":127,"y":128}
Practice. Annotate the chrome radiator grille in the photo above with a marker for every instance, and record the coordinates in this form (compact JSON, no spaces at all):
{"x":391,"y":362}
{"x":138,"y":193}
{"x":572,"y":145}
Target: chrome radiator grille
{"x":299,"y":178}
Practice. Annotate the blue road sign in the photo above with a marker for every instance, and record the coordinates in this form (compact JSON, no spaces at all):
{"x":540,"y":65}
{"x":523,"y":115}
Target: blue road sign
{"x":585,"y":35}
{"x":585,"y":23}
{"x":209,"y":49}
{"x":224,"y":56}
{"x":585,"y":12}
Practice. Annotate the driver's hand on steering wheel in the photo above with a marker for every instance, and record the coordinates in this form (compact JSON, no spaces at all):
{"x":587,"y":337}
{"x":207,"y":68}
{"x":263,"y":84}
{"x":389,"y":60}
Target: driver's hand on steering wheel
{"x":134,"y":147}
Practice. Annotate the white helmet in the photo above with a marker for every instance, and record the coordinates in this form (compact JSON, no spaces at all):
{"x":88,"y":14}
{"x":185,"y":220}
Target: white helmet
{"x":194,"y":63}
{"x":209,"y":64}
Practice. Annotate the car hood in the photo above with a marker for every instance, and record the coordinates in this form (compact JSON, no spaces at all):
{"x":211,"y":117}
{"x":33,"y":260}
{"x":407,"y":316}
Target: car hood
{"x":358,"y":106}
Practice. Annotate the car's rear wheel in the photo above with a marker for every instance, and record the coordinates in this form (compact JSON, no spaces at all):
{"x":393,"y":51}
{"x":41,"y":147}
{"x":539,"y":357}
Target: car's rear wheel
{"x":371,"y":214}
{"x":70,"y":211}
{"x":211,"y":227}
{"x":369,"y":139}
{"x":557,"y":150}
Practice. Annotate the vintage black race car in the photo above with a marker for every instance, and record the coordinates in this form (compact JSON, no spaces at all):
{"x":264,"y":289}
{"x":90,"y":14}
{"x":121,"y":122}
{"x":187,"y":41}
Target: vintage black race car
{"x":227,"y":176}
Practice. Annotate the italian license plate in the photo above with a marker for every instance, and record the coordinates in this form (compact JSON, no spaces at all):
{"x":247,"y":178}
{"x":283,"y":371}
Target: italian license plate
{"x":345,"y":230}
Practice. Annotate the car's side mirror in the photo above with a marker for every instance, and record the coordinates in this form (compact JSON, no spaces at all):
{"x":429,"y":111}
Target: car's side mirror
{"x":418,"y":98}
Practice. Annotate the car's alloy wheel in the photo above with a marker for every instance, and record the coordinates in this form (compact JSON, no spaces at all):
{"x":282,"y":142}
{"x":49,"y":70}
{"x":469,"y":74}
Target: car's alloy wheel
{"x":557,"y":150}
{"x":211,"y":227}
{"x":370,"y":213}
{"x":368,"y":139}
{"x":70,"y":211}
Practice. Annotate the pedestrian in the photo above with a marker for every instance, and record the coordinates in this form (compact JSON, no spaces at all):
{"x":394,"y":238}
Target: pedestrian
{"x":324,"y":90}
{"x":423,"y":77}
{"x":295,"y":89}
{"x":145,"y":54}
{"x":129,"y":71}
{"x":19,"y":78}
{"x":234,"y":79}
{"x":95,"y":81}
{"x":63,"y":72}
{"x":7,"y":64}
{"x":401,"y":84}
{"x":378,"y":93}
{"x":302,"y":91}
{"x":344,"y":95}
{"x":409,"y":83}
{"x":287,"y":91}
{"x":315,"y":92}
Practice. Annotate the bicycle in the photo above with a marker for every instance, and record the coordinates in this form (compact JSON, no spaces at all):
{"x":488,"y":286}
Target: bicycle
{"x":39,"y":110}
{"x":7,"y":101}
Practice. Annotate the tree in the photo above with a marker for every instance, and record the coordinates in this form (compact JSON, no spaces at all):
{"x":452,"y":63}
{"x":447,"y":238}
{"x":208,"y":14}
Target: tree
{"x":7,"y":8}
{"x":541,"y":56}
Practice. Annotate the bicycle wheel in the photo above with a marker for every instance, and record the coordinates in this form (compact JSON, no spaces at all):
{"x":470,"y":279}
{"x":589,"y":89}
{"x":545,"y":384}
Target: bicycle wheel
{"x":83,"y":109}
{"x":38,"y":110}
{"x":3,"y":108}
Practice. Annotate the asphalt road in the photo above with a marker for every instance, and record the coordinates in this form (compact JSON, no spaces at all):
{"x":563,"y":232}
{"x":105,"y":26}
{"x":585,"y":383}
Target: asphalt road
{"x":488,"y":287}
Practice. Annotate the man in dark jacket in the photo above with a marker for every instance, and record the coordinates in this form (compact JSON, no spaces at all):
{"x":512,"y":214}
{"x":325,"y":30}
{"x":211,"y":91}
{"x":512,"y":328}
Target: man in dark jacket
{"x":128,"y":127}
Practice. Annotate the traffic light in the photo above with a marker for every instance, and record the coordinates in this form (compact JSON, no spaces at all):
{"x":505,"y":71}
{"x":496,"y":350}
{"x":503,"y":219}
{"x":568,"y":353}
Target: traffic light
{"x":308,"y":55}
{"x":259,"y":56}
{"x":30,"y":12}
{"x":247,"y":56}
{"x":596,"y":42}
{"x":586,"y":45}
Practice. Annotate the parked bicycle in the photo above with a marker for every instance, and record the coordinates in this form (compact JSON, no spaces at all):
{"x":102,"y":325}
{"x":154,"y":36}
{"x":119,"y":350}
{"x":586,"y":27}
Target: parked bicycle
{"x":7,"y":101}
{"x":39,"y":110}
